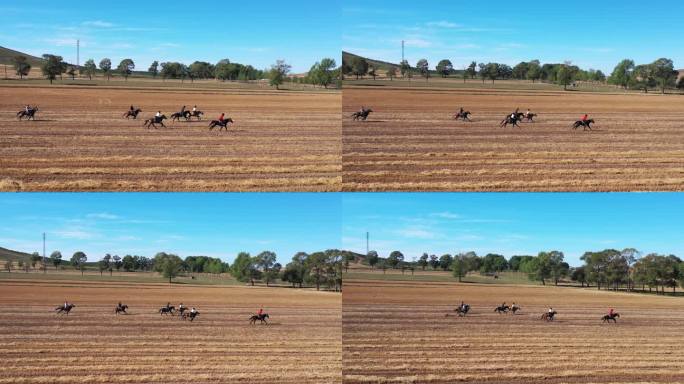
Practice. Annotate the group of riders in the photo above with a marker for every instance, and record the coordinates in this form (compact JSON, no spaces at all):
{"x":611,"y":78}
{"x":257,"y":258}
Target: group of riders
{"x":463,"y":308}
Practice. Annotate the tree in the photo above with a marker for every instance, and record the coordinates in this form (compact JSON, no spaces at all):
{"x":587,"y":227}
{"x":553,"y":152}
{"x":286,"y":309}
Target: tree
{"x":423,"y":68}
{"x":578,"y":274}
{"x":117,"y":262}
{"x":316,"y":264}
{"x":169,"y":265}
{"x":107,"y":259}
{"x":102,"y":265}
{"x":279,"y":71}
{"x":359,"y":66}
{"x":106,"y":67}
{"x":243,"y":268}
{"x":322,"y":73}
{"x":126,"y":67}
{"x":459,"y":267}
{"x":295,"y":271}
{"x":89,"y":68}
{"x":371,"y":71}
{"x":490,"y":71}
{"x":444,"y":67}
{"x":52,"y":66}
{"x":372,"y":258}
{"x":392,"y":73}
{"x":664,"y":73}
{"x":8,"y":266}
{"x":78,"y":260}
{"x":71,"y":71}
{"x":423,"y":261}
{"x":128,"y":263}
{"x":680,"y":83}
{"x":472,"y":70}
{"x":434,"y":262}
{"x":492,"y":263}
{"x":534,"y":71}
{"x":21,"y":66}
{"x":395,"y":258}
{"x":622,"y":74}
{"x":520,"y":71}
{"x":201,"y":70}
{"x":154,"y":69}
{"x":56,"y":258}
{"x":445,"y":261}
{"x":35,"y":258}
{"x":566,"y":74}
{"x":266,"y":262}
{"x":405,"y":69}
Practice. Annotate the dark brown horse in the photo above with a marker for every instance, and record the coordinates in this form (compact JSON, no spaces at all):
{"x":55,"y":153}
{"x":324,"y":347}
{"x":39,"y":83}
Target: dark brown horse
{"x":549,"y":316}
{"x":168,"y":310}
{"x":132,"y":113}
{"x":65,"y":310}
{"x":585,"y":124}
{"x":154,"y":121}
{"x":253,"y":319}
{"x":30,"y":114}
{"x":220,"y":123}
{"x":362,"y":114}
{"x":177,"y":116}
{"x":465,"y":116}
{"x":608,"y":318}
{"x":121,"y":309}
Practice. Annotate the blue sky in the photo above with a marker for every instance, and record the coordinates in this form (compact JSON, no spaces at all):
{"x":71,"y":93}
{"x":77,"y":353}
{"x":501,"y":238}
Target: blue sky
{"x":211,"y":224}
{"x":591,"y":34}
{"x":256,"y":33}
{"x":513,"y":223}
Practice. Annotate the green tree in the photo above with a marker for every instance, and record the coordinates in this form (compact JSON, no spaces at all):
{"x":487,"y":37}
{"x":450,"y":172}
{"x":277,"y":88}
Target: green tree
{"x":359,"y":66}
{"x":71,"y":71}
{"x":279,"y":71}
{"x":664,"y":73}
{"x":201,"y":70}
{"x":444,"y":67}
{"x":434,"y":262}
{"x":579,"y":275}
{"x":169,"y":265}
{"x":520,"y":70}
{"x":128,"y":263}
{"x":243,"y":268}
{"x":534,"y":71}
{"x":56,"y":258}
{"x":52,"y":66}
{"x":316,"y":265}
{"x":21,"y":66}
{"x":566,"y":74}
{"x":458,"y":267}
{"x":295,"y":271}
{"x":392,"y":73}
{"x":106,"y":67}
{"x":117,"y":262}
{"x":78,"y":260}
{"x":472,"y":70}
{"x":622,"y":74}
{"x":423,"y":261}
{"x":424,"y":68}
{"x":405,"y":69}
{"x":394,"y":258}
{"x":323,"y":72}
{"x":266,"y":262}
{"x":372,"y":258}
{"x":154,"y":69}
{"x":89,"y":68}
{"x":35,"y":259}
{"x":492,"y":263}
{"x":445,"y":261}
{"x":126,"y":67}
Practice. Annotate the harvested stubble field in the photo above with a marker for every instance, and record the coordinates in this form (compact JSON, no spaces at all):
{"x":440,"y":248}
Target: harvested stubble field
{"x":411,"y":142}
{"x":301,"y":345}
{"x":280,"y":141}
{"x":397,"y":332}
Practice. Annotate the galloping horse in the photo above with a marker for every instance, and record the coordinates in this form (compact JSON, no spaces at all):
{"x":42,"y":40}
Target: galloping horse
{"x":549,"y":316}
{"x":462,"y":311}
{"x":262,"y":318}
{"x":220,"y":123}
{"x":178,"y":115}
{"x":585,"y":124}
{"x":189,"y":315}
{"x":121,"y":309}
{"x":465,"y":116}
{"x":502,"y":309}
{"x":31,"y":114}
{"x":608,"y":318}
{"x":167,"y":310}
{"x":362,"y":114}
{"x":154,"y":121}
{"x":134,"y":113}
{"x":515,"y":308}
{"x":530,"y":116}
{"x":511,"y":120}
{"x":197,"y":114}
{"x":65,"y":310}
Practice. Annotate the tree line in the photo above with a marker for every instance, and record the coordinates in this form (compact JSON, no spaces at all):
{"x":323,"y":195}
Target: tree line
{"x":607,"y":269}
{"x":660,"y":73}
{"x":323,"y":73}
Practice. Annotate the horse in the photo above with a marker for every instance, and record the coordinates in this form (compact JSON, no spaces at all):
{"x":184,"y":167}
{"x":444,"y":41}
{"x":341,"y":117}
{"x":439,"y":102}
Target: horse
{"x":608,"y":318}
{"x":585,"y":124}
{"x":178,"y":115}
{"x":121,"y":308}
{"x":465,"y":116}
{"x":462,"y":311}
{"x":549,"y":316}
{"x":154,"y":121}
{"x":529,"y":116}
{"x":181,"y":311}
{"x":189,"y":315}
{"x":502,"y":309}
{"x":220,"y":123}
{"x":198,"y":114}
{"x":167,"y":310}
{"x":511,"y":120}
{"x":31,"y":114}
{"x":515,"y":308}
{"x":262,"y":318}
{"x":63,"y":309}
{"x":132,"y":113}
{"x":362,"y":114}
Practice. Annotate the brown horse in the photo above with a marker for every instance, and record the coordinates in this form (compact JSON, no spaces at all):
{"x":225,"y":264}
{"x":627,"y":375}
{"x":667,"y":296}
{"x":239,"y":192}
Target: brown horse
{"x":465,"y":116}
{"x":220,"y":123}
{"x":121,"y":309}
{"x":549,"y":316}
{"x":132,"y":113}
{"x":585,"y":124}
{"x":30,"y":114}
{"x":608,"y":318}
{"x":154,"y":121}
{"x":253,"y":319}
{"x":65,"y":310}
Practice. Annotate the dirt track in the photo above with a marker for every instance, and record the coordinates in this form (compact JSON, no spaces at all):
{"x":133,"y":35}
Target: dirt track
{"x":398,"y":333}
{"x":411,"y":142}
{"x":301,"y":345}
{"x":281,"y":141}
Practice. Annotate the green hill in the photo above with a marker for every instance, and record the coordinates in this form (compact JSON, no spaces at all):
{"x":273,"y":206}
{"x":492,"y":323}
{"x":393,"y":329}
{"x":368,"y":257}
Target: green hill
{"x":8,"y":254}
{"x":384,"y":65}
{"x":6,"y":56}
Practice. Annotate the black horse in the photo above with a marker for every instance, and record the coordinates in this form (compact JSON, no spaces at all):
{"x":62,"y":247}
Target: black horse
{"x":549,"y":316}
{"x":177,"y":116}
{"x":529,"y":117}
{"x":585,"y":124}
{"x":65,"y":310}
{"x":154,"y":121}
{"x":511,"y":119}
{"x":253,"y":319}
{"x":121,"y":309}
{"x":462,"y":311}
{"x":168,"y":310}
{"x":30,"y":114}
{"x":181,"y":311}
{"x":220,"y":123}
{"x":189,"y":315}
{"x":502,"y":309}
{"x":608,"y":318}
{"x":132,"y":113}
{"x":465,"y":116}
{"x":362,"y":114}
{"x":198,"y":114}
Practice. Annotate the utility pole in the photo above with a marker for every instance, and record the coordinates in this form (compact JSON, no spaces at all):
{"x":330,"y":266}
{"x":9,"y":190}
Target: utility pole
{"x":402,"y":51}
{"x":367,"y":250}
{"x":78,"y":54}
{"x":44,"y":259}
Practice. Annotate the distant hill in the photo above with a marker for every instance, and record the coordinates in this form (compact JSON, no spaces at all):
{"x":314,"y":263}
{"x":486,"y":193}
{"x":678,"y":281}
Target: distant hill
{"x":6,"y":56}
{"x":8,"y":254}
{"x":377,"y":64}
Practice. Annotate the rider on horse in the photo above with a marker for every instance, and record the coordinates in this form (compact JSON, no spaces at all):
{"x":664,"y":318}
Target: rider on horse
{"x":585,"y":118}
{"x":66,"y":304}
{"x":220,"y":119}
{"x":611,"y":313}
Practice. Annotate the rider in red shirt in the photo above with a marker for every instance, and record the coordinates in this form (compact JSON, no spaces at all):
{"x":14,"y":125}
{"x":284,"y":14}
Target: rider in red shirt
{"x":261,"y":311}
{"x":585,"y":117}
{"x":221,"y":117}
{"x":610,"y":312}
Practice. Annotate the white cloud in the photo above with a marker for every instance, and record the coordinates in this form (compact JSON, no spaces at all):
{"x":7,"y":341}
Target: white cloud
{"x":446,"y":215}
{"x":97,"y":24}
{"x":442,"y":24}
{"x":74,"y":233}
{"x":416,"y":233}
{"x":417,"y":43}
{"x":102,"y":215}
